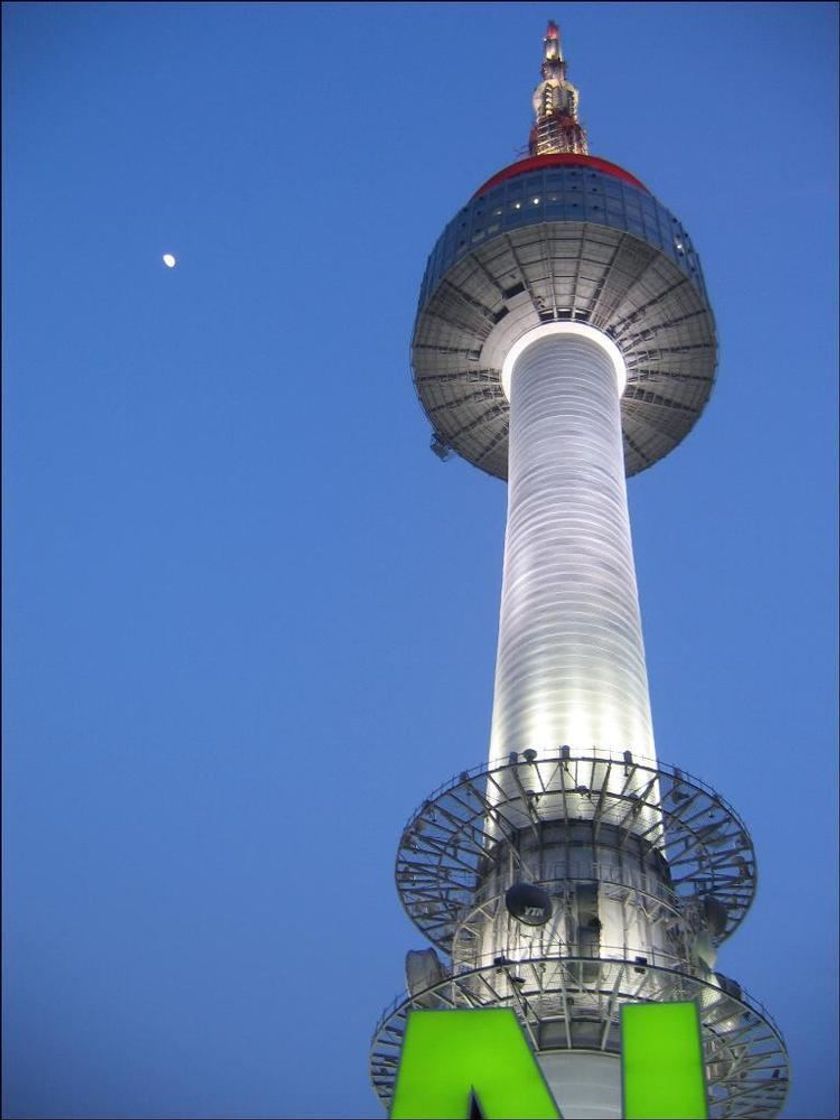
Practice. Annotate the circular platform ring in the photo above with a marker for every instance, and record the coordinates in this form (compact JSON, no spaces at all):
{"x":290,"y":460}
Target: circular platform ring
{"x":476,"y":818}
{"x":572,"y":244}
{"x":573,"y":1003}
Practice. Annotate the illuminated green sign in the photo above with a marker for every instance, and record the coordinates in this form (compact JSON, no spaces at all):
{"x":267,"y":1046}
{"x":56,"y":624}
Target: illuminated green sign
{"x":662,"y":1074}
{"x":453,"y":1061}
{"x":457,"y":1065}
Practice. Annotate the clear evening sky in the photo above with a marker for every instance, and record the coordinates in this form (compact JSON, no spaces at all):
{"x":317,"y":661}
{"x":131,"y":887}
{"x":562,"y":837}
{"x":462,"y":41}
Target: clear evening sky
{"x":250,"y":619}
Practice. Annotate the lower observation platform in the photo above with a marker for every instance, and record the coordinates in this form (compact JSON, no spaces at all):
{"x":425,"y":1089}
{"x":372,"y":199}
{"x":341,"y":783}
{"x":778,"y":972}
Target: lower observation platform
{"x":477,"y":819}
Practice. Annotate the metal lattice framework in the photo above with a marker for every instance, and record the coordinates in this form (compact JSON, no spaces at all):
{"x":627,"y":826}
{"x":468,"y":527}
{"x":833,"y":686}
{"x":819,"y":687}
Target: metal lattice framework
{"x":478,"y":816}
{"x":660,"y":904}
{"x":572,"y":243}
{"x":574,"y":1003}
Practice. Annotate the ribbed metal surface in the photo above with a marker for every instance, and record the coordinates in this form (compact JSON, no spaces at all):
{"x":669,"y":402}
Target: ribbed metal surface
{"x":570,"y":666}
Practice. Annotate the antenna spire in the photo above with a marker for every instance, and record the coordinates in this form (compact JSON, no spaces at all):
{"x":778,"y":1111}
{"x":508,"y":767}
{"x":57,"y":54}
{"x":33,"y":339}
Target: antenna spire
{"x":557,"y":128}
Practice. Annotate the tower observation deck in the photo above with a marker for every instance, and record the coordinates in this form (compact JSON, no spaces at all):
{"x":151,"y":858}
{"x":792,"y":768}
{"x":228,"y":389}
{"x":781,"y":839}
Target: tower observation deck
{"x":563,"y":342}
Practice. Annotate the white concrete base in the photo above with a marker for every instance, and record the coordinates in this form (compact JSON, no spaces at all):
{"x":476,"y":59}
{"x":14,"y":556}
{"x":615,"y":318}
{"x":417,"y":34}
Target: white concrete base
{"x":586,"y":1086}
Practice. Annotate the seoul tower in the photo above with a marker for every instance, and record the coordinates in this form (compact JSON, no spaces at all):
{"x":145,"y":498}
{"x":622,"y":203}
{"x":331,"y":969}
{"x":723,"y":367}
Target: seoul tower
{"x":564,"y":341}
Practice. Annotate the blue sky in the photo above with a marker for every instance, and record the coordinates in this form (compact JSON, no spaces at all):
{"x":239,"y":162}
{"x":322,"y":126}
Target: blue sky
{"x":250,"y":618}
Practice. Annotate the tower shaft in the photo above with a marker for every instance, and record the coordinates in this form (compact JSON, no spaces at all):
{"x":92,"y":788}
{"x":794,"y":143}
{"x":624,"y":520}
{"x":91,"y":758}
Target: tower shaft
{"x":570,"y":664}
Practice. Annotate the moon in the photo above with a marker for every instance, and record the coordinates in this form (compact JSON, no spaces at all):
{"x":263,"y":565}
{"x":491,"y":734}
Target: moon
{"x":169,"y":260}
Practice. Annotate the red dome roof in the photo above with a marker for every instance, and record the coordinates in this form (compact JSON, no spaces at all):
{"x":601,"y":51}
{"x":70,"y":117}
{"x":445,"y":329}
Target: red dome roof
{"x":560,"y":159}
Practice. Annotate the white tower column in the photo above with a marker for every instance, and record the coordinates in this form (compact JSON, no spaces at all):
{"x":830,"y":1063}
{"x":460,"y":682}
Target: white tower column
{"x":570,"y":666}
